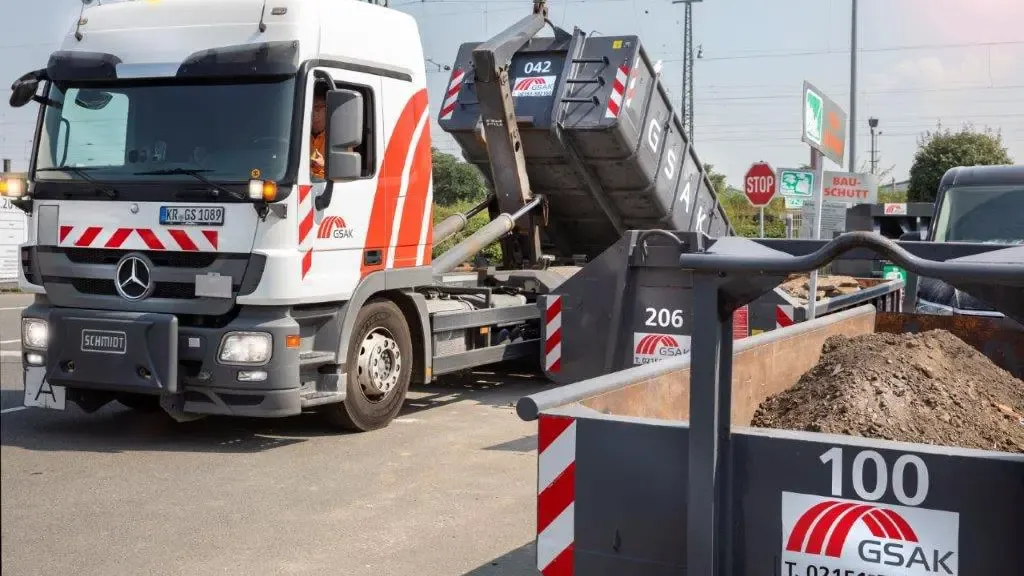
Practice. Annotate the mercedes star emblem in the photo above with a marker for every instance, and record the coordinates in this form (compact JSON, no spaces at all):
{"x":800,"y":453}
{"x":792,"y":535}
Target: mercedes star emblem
{"x":132,"y":278}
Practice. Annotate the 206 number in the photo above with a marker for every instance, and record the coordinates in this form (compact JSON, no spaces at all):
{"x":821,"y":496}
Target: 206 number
{"x":664,"y":318}
{"x":542,"y":67}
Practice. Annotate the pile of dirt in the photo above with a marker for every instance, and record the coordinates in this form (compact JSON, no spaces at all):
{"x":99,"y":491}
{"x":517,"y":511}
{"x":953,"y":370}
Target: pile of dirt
{"x":930,"y":388}
{"x":798,"y":286}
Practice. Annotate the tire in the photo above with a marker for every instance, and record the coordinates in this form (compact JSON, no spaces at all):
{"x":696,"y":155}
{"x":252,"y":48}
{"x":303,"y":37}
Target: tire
{"x":380,"y":334}
{"x":140,"y":402}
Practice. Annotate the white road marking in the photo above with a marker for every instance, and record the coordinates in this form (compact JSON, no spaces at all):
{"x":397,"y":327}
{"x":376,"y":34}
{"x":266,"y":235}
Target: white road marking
{"x":10,"y":353}
{"x":9,"y":341}
{"x":406,"y":420}
{"x":15,"y":308}
{"x":14,"y":409}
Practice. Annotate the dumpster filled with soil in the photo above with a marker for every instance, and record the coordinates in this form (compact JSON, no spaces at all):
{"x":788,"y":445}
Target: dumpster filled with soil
{"x":929,"y":387}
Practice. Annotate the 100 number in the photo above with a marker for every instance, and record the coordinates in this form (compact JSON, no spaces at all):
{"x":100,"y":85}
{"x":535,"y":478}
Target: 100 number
{"x":834,"y":456}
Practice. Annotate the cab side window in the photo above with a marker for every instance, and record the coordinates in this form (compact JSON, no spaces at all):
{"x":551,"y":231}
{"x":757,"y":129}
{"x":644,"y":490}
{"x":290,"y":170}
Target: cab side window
{"x":318,"y":126}
{"x":328,"y":79}
{"x":368,"y":149}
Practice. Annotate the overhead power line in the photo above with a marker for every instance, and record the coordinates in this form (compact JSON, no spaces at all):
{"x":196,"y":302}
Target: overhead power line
{"x":846,"y":52}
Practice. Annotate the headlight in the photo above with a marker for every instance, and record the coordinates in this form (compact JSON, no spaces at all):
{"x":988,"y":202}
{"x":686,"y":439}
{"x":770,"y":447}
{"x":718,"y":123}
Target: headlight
{"x":13,"y":186}
{"x":245,"y":348}
{"x":35,"y":333}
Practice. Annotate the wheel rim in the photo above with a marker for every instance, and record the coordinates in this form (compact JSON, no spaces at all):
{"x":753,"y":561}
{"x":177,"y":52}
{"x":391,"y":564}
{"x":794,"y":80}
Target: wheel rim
{"x":379,"y":364}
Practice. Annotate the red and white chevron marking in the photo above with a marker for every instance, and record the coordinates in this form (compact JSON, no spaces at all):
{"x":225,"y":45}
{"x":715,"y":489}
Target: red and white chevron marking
{"x":168,"y":239}
{"x":553,"y":332}
{"x":556,"y":494}
{"x":618,"y":90}
{"x":305,"y":227}
{"x":783,"y":316}
{"x":631,"y":87}
{"x":451,"y":95}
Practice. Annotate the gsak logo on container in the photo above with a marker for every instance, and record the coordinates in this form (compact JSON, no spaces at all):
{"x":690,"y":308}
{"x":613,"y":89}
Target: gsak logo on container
{"x":832,"y":536}
{"x":649,"y":348}
{"x":534,"y":86}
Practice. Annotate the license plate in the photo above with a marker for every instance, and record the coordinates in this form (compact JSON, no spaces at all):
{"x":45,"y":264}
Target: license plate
{"x":41,"y":394}
{"x":104,"y":341}
{"x":192,"y":215}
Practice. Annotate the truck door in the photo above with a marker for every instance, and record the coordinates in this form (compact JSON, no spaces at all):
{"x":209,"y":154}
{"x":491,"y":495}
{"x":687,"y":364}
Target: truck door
{"x":332,"y":233}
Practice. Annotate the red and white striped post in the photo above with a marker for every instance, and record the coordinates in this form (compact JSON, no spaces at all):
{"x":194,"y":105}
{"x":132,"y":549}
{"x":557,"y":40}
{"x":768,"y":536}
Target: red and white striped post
{"x":556,"y":494}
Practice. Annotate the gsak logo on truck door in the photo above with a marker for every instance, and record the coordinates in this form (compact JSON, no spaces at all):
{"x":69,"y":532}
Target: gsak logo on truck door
{"x":333,"y":227}
{"x":833,"y":536}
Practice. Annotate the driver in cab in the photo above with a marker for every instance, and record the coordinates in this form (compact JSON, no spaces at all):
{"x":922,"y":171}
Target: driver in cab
{"x":317,"y":133}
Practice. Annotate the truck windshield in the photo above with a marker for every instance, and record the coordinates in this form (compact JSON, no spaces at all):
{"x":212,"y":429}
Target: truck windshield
{"x":228,"y":131}
{"x":982,"y":214}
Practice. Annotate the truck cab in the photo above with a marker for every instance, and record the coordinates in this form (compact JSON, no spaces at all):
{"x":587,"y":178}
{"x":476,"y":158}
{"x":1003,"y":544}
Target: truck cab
{"x":981,"y":204}
{"x":185,"y":247}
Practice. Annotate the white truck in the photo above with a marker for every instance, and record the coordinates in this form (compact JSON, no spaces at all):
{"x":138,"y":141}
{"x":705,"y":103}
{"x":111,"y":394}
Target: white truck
{"x":184,"y":255}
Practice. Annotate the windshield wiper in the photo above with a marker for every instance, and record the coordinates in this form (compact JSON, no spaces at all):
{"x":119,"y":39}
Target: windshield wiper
{"x":83,"y":172}
{"x":197,"y":174}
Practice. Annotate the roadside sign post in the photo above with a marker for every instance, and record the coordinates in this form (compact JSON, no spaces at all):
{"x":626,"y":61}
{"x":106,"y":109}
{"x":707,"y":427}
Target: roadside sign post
{"x":893,"y":272}
{"x":824,"y":131}
{"x":817,"y":159}
{"x":759,"y":188}
{"x":840,"y":192}
{"x":796,"y":185}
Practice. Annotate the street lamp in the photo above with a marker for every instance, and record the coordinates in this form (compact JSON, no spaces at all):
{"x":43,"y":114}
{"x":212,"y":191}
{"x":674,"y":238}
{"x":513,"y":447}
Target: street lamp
{"x":873,"y":123}
{"x":440,"y":67}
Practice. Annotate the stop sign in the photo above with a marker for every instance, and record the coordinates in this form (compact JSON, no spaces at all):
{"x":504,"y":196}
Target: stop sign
{"x":759,"y":184}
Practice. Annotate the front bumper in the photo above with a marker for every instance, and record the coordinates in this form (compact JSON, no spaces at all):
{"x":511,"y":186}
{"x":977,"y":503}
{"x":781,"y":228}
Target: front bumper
{"x":147,"y":353}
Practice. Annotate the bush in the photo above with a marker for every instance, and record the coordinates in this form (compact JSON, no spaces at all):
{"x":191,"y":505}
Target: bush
{"x":492,"y":252}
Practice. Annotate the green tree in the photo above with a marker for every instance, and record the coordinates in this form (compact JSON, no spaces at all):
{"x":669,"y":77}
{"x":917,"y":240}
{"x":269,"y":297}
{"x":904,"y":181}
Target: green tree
{"x":492,"y":252}
{"x":745,"y":218}
{"x":458,"y":186}
{"x":456,"y":181}
{"x":941,"y":150}
{"x":717,"y":178}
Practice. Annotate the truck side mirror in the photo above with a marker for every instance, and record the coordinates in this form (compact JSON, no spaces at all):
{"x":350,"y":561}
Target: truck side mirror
{"x":344,"y":133}
{"x":24,"y":89}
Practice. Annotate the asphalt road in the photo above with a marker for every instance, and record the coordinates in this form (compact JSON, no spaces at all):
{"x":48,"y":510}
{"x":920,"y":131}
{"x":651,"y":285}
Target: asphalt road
{"x":447,"y":489}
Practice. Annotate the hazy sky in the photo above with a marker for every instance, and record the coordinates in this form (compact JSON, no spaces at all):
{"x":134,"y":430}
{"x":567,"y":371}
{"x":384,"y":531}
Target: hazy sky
{"x":920,"y":62}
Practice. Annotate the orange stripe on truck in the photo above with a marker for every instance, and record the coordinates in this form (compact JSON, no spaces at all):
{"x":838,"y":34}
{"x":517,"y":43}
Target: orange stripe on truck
{"x":415,"y":203}
{"x":389,"y":181}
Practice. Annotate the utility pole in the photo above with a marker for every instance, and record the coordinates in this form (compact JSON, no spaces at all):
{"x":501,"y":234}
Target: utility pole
{"x":873,"y":123}
{"x":687,"y":99}
{"x":853,"y":87}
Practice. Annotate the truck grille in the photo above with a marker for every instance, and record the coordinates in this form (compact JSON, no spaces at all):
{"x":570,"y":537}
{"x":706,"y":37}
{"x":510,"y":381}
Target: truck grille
{"x":160,"y":259}
{"x":97,"y":287}
{"x":84,"y":277}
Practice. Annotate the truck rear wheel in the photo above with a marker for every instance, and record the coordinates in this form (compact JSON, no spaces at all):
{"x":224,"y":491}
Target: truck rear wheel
{"x":379,"y":367}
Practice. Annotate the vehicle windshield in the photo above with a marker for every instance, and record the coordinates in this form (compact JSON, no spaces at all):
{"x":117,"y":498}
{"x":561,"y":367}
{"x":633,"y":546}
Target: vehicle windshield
{"x":982,"y":214}
{"x":228,"y":131}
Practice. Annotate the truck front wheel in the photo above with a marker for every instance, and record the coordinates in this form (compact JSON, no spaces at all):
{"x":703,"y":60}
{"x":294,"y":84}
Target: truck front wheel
{"x":379,"y":367}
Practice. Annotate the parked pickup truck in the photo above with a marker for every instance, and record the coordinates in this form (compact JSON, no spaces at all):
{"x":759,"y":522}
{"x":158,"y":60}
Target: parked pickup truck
{"x":974,"y":204}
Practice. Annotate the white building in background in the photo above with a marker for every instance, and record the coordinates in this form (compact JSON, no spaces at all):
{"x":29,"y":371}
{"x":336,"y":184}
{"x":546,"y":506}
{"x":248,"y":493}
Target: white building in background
{"x":12,"y":233}
{"x":35,"y":29}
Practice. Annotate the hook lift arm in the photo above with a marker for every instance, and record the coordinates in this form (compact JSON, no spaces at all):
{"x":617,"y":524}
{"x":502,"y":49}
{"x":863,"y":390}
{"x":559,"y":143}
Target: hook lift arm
{"x":491,"y":61}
